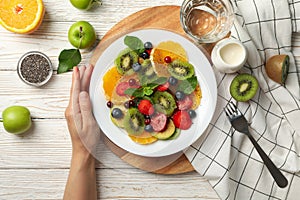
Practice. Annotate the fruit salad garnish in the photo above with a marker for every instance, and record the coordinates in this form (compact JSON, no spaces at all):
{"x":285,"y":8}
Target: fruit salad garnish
{"x":152,"y":90}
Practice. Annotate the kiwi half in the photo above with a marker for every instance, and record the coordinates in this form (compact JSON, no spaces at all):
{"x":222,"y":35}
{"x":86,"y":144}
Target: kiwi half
{"x":277,"y":68}
{"x":181,"y":70}
{"x":125,"y":60}
{"x":134,"y":122}
{"x":243,"y":87}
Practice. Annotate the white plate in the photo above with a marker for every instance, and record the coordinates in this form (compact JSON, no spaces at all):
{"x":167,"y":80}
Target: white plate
{"x":204,"y":112}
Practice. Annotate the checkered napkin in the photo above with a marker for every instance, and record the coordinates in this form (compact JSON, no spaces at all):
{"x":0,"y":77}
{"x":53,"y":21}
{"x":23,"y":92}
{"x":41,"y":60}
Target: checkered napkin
{"x":226,"y":157}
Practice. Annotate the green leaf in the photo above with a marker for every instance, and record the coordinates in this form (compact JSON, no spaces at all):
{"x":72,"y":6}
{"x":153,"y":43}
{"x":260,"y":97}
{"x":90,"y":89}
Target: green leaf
{"x":68,"y":58}
{"x":136,"y":92}
{"x":160,"y":80}
{"x":147,"y":91}
{"x":188,"y":86}
{"x":134,"y":43}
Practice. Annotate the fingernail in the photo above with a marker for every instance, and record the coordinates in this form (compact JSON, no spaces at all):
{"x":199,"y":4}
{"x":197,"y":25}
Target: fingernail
{"x":83,"y":95}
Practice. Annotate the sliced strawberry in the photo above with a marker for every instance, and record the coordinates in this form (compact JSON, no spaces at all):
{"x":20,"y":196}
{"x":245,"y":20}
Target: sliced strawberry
{"x":163,"y":87}
{"x":159,"y":122}
{"x":121,"y":87}
{"x":182,"y":120}
{"x":145,"y":107}
{"x":185,"y":104}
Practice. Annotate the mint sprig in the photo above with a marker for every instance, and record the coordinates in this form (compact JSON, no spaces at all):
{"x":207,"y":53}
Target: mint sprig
{"x":68,"y":58}
{"x":145,"y":90}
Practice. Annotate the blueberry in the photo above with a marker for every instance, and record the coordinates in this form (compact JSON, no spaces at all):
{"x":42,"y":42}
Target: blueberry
{"x":148,"y":45}
{"x":172,"y":80}
{"x":148,"y":128}
{"x":136,"y":67}
{"x":117,"y":113}
{"x":192,"y":113}
{"x":179,"y":95}
{"x":145,"y":55}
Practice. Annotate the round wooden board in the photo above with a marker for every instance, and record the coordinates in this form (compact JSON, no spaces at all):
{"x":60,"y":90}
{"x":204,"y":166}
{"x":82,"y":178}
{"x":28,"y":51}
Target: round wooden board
{"x":161,"y":17}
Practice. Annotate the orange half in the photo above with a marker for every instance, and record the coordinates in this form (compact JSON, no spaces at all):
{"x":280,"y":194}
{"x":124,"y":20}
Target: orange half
{"x":21,"y":16}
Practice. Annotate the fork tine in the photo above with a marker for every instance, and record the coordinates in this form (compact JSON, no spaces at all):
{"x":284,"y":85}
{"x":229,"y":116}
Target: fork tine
{"x":229,"y":110}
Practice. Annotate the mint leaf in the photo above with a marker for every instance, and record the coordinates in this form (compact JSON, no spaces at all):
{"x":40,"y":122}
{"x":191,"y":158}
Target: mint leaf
{"x":147,"y":91}
{"x":136,"y":92}
{"x":134,"y":43}
{"x":188,"y":86}
{"x":68,"y":58}
{"x":160,"y":80}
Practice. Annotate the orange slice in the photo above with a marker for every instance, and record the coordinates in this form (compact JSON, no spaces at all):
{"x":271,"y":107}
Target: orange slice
{"x":110,"y":79}
{"x":21,"y":16}
{"x":196,"y":97}
{"x":163,"y":49}
{"x":148,"y":140}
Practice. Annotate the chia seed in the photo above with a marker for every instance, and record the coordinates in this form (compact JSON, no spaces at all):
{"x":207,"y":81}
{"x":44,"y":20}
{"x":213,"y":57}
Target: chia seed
{"x":35,"y":68}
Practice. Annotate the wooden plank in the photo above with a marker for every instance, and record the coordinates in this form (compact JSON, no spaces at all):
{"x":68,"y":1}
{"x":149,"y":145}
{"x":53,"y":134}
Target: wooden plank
{"x":112,"y":184}
{"x":47,"y":145}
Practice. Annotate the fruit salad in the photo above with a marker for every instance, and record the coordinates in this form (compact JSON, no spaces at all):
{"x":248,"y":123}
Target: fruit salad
{"x":152,"y":90}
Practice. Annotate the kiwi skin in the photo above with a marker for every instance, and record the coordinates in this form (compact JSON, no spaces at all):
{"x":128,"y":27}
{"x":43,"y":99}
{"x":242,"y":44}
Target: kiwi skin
{"x":277,"y":68}
{"x":243,"y":87}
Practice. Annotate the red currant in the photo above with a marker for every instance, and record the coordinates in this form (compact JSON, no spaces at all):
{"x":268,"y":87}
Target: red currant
{"x":147,"y":121}
{"x":132,"y":82}
{"x":109,"y":104}
{"x":168,"y":59}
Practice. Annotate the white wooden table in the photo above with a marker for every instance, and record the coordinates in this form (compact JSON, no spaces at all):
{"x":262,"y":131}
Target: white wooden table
{"x":36,"y":165}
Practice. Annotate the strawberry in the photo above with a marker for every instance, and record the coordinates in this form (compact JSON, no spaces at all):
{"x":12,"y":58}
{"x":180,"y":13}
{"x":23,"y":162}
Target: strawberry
{"x":145,"y":107}
{"x":182,"y":120}
{"x":163,"y":87}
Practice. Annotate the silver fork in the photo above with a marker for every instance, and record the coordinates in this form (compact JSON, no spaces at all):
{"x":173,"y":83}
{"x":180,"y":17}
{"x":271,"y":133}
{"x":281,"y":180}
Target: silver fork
{"x":239,"y":122}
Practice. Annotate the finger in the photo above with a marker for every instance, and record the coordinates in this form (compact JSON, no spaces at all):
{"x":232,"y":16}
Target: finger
{"x":86,"y":108}
{"x":85,"y":81}
{"x":82,"y":71}
{"x":75,"y":91}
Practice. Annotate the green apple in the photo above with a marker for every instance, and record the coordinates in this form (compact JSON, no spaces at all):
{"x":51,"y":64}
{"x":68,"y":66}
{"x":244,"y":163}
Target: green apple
{"x":16,"y":119}
{"x":82,"y":35}
{"x":84,"y":4}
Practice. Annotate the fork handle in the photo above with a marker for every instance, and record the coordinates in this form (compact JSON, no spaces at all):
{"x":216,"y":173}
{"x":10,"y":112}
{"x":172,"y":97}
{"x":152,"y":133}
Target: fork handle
{"x":275,"y":172}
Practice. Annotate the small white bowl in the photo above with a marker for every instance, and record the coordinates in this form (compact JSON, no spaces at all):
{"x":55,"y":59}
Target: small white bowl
{"x":36,"y":72}
{"x":229,"y":55}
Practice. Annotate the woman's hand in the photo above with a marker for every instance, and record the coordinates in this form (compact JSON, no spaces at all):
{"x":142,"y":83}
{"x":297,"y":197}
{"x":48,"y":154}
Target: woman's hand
{"x":83,"y":128}
{"x":85,"y":135}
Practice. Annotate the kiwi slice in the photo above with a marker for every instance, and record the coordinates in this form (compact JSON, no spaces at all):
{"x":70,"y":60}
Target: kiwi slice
{"x":125,"y":60}
{"x":164,"y":102}
{"x":134,"y":122}
{"x":243,"y":87}
{"x":147,"y":73}
{"x":181,"y":70}
{"x":119,"y":122}
{"x":167,"y":133}
{"x":175,"y":135}
{"x":277,"y":68}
